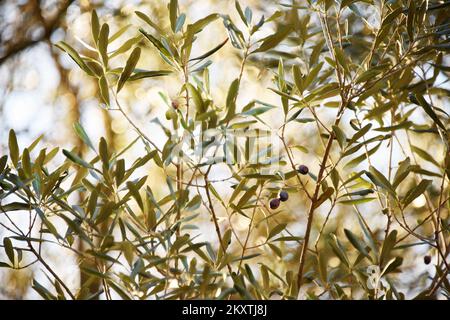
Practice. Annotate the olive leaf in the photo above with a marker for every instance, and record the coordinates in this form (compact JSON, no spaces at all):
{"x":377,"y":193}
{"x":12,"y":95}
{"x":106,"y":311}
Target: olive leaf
{"x":129,"y":67}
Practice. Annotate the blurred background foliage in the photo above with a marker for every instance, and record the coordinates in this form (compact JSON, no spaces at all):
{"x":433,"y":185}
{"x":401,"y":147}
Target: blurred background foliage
{"x":368,"y":118}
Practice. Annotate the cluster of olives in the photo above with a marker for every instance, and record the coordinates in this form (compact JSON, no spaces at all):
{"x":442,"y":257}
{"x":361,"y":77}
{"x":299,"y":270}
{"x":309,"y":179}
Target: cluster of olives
{"x":172,"y":113}
{"x":302,"y":169}
{"x":275,"y":203}
{"x":284,"y":196}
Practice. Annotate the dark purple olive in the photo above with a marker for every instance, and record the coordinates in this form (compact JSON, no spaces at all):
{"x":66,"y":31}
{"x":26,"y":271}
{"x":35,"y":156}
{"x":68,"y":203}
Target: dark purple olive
{"x":175,"y":104}
{"x":302,"y":169}
{"x":284,"y":196}
{"x":427,"y":259}
{"x":274,"y":204}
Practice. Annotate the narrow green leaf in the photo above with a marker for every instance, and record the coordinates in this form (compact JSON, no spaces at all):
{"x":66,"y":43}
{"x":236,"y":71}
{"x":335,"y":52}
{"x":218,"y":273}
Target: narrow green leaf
{"x":210,"y":52}
{"x":412,"y":194}
{"x":13,"y":148}
{"x":340,"y":136}
{"x":15,"y":206}
{"x":148,"y":74}
{"x":237,"y":189}
{"x":95,"y":26}
{"x":26,"y":162}
{"x":425,"y":155}
{"x":419,"y":100}
{"x":42,"y":291}
{"x":120,"y":171}
{"x":356,"y":242}
{"x":322,"y":266}
{"x":360,"y":133}
{"x":9,"y":249}
{"x":393,"y":264}
{"x":103,"y":43}
{"x":92,"y":203}
{"x":240,"y":12}
{"x":402,"y":172}
{"x":129,"y":67}
{"x":410,"y":20}
{"x":135,"y":193}
{"x":380,"y":180}
{"x":75,"y":57}
{"x":388,"y":245}
{"x":391,"y":16}
{"x":356,"y":201}
{"x":76,"y":159}
{"x":104,"y":89}
{"x":180,"y":22}
{"x":298,"y":78}
{"x":103,"y":152}
{"x":83,"y":135}
{"x":248,"y":15}
{"x":273,"y":40}
{"x":312,"y":75}
{"x":368,"y":75}
{"x":338,"y":249}
{"x":198,"y":100}
{"x":198,"y":25}
{"x":118,"y":33}
{"x":247,"y":196}
{"x":105,"y":212}
{"x":173,"y":13}
{"x":3,"y":163}
{"x":340,"y":56}
{"x":231,"y":100}
{"x":157,"y":43}
{"x":127,"y":45}
{"x":276,"y":230}
{"x":147,"y":20}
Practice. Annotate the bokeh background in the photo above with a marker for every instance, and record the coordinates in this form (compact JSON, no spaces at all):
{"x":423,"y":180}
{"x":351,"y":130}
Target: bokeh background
{"x":42,"y":92}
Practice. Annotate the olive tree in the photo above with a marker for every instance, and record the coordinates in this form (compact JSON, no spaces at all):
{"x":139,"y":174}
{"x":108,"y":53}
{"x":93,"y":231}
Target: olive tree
{"x":347,"y":199}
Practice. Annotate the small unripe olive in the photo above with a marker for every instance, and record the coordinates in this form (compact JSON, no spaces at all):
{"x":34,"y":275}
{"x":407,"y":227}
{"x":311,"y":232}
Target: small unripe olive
{"x":169,"y":114}
{"x":284,"y":196}
{"x":427,"y":259}
{"x":302,"y":169}
{"x":274,"y":204}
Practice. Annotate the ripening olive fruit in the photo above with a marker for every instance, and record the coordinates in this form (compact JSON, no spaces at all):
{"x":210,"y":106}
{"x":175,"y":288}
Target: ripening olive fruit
{"x":302,"y":169}
{"x":427,"y":259}
{"x":284,"y":196}
{"x":171,"y":114}
{"x":274,"y":204}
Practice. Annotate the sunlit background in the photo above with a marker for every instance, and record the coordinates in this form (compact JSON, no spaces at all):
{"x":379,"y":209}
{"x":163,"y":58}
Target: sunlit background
{"x":43,"y":92}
